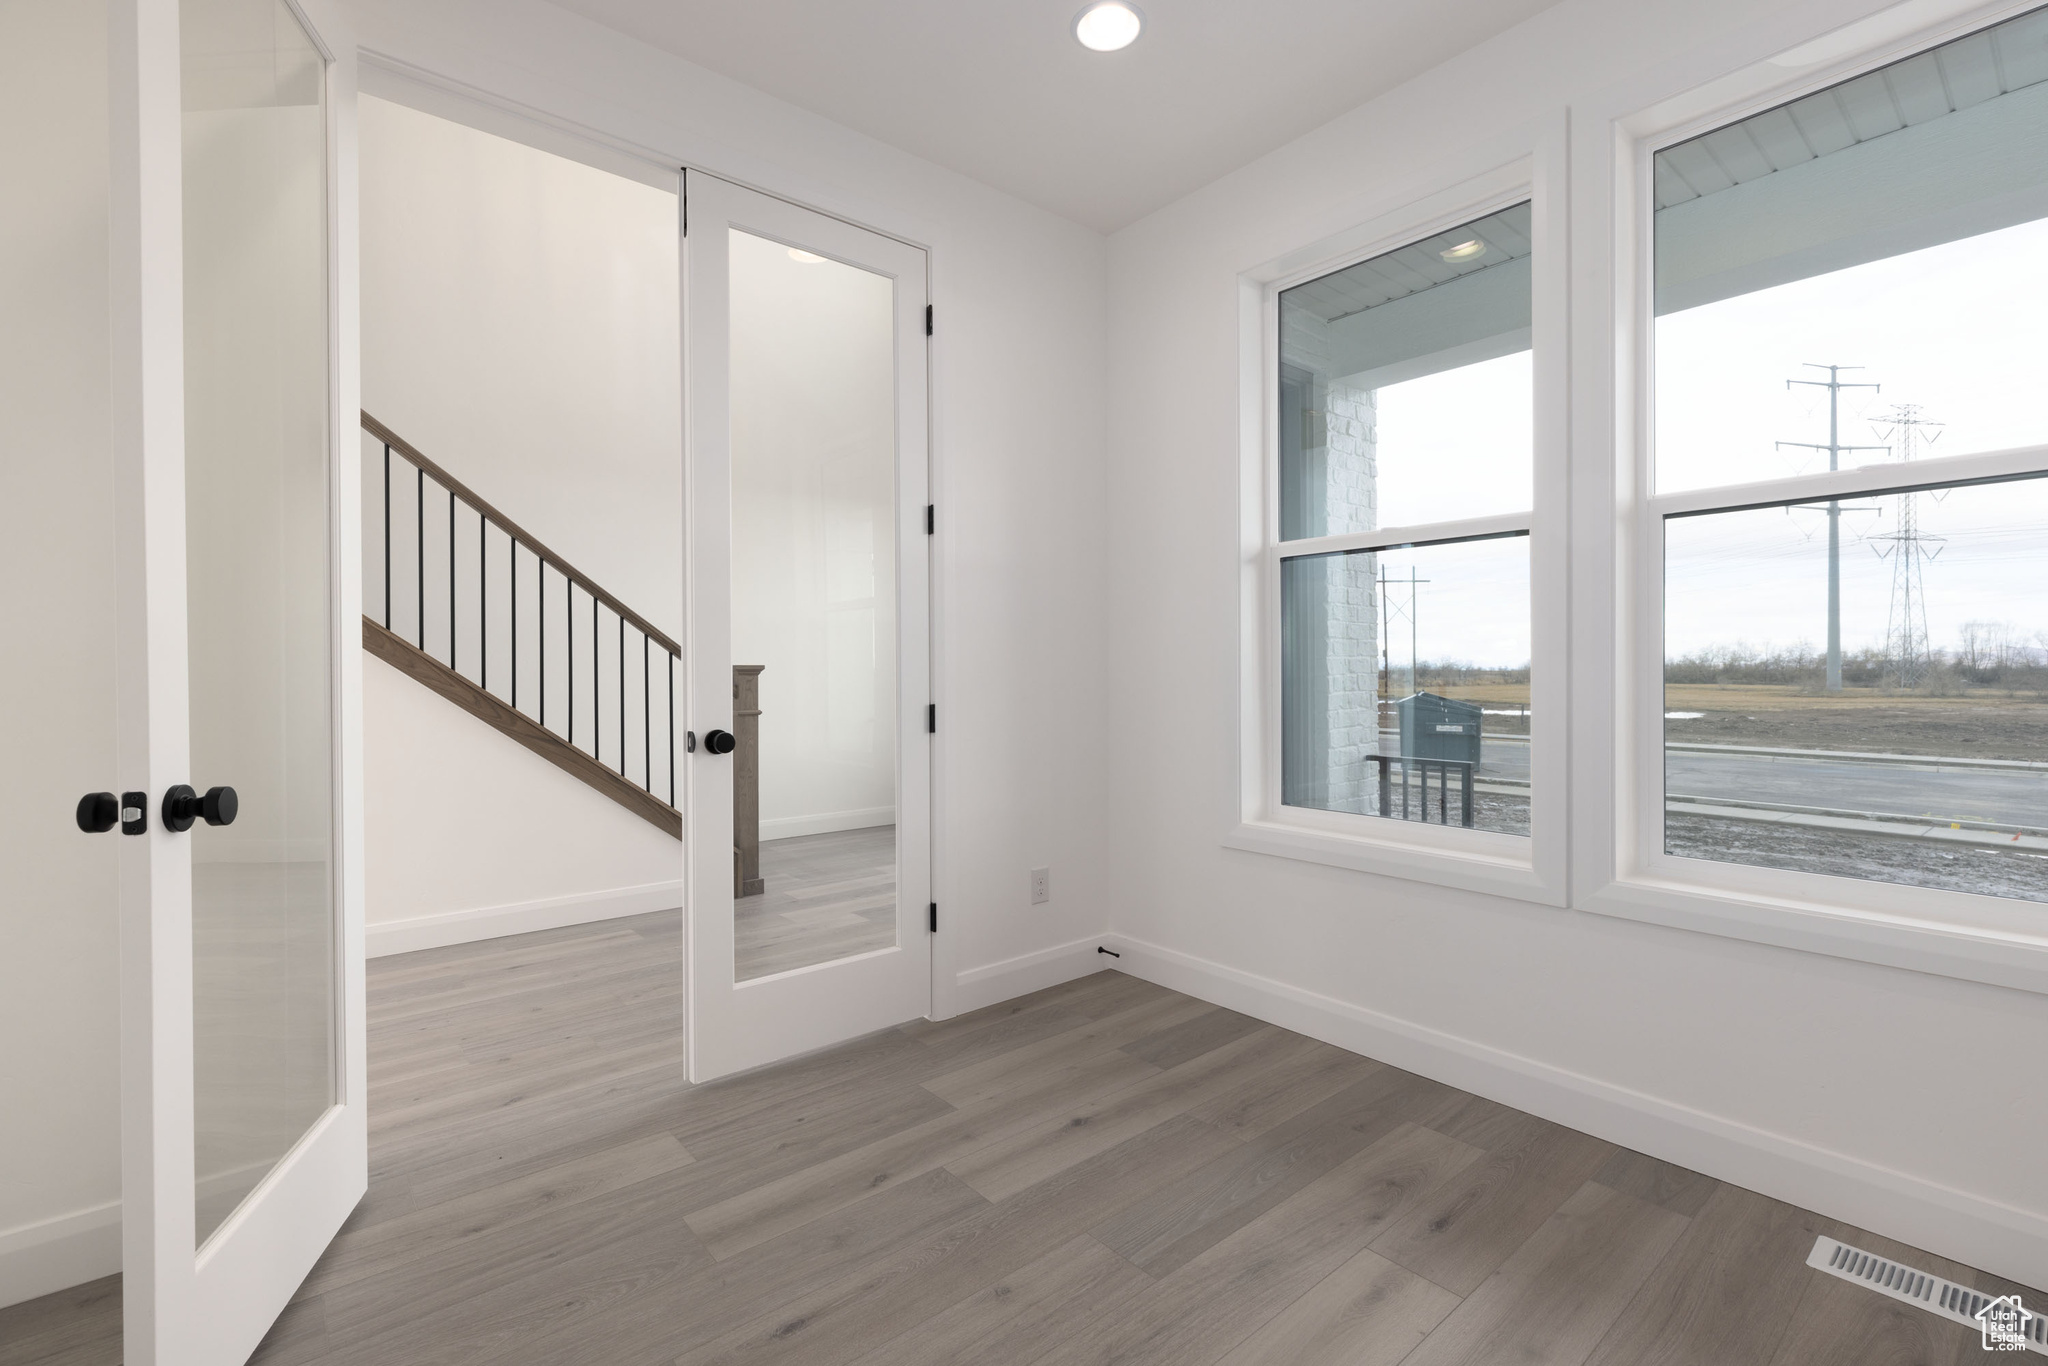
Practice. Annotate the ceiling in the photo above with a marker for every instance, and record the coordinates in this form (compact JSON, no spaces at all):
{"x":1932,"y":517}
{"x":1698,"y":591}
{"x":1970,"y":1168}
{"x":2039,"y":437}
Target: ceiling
{"x":1000,"y":91}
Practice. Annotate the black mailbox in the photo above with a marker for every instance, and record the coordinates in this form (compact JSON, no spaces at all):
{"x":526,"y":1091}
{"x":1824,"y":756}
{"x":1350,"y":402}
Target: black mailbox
{"x":1435,"y":727}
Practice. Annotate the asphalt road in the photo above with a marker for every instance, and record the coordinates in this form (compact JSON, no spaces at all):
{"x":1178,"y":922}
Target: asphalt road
{"x":2014,"y":797}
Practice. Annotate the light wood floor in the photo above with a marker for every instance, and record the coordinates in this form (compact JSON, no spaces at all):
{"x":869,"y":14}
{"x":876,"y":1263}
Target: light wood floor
{"x":827,"y":896}
{"x":1106,"y":1172}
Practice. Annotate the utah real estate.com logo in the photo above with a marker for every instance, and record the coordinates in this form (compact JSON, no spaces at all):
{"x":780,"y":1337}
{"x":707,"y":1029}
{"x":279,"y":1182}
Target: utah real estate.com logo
{"x":2005,"y":1325}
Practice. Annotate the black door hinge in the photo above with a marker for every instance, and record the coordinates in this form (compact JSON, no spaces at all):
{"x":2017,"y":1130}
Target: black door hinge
{"x":931,"y":519}
{"x":927,"y":320}
{"x":935,"y":917}
{"x":931,"y":718}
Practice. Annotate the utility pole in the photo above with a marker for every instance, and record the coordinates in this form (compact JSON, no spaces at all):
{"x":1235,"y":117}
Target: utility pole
{"x":1833,"y":384}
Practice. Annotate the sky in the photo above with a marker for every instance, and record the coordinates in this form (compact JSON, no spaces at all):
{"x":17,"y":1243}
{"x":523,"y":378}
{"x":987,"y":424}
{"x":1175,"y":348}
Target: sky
{"x":1960,"y":330}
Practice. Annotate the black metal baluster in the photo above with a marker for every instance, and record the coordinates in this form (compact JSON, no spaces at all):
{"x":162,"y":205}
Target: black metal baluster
{"x":646,"y":720}
{"x":451,"y":580}
{"x":387,"y":536}
{"x":671,"y":728}
{"x":419,"y":508}
{"x":622,"y":695}
{"x":569,"y":644}
{"x":596,"y":702}
{"x":483,"y":604}
{"x":540,"y":621}
{"x":512,"y":573}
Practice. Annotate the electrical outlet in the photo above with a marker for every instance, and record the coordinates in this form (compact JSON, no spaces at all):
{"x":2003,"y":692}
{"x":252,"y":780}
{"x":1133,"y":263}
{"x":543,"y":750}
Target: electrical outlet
{"x":1041,"y":886}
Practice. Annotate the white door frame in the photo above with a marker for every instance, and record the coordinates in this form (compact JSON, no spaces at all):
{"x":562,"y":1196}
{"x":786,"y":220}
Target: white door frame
{"x":187,"y":1306}
{"x":735,"y":1025}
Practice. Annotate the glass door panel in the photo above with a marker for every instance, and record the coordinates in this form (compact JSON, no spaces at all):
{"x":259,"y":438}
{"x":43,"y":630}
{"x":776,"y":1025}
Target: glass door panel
{"x":808,"y":795}
{"x":813,"y":606}
{"x":259,"y":626}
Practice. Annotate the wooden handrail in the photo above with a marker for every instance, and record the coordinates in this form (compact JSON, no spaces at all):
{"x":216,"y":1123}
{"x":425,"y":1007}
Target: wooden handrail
{"x":511,"y":528}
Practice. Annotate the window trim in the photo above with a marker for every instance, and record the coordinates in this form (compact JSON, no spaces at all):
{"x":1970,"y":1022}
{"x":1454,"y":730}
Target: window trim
{"x":1618,"y":821}
{"x":1531,"y":167}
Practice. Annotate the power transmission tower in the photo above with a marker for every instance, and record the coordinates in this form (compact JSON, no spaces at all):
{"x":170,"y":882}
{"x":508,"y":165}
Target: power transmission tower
{"x":1833,"y":384}
{"x":1906,"y":650}
{"x":1387,"y":612}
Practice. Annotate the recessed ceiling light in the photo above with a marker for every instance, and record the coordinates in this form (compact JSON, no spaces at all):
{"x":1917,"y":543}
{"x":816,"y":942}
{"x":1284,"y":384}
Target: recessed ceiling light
{"x":1108,"y":25}
{"x":799,"y":254}
{"x":1464,"y":251}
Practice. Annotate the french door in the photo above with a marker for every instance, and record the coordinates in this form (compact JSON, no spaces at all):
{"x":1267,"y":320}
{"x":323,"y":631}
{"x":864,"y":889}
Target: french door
{"x":808,"y":810}
{"x":236,"y":821}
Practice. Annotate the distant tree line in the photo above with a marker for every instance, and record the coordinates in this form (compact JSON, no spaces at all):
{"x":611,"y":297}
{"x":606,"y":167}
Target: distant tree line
{"x":1988,"y":655}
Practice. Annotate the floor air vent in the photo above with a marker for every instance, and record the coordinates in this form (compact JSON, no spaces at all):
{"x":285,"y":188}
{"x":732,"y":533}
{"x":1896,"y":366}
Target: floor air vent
{"x":1937,"y":1296}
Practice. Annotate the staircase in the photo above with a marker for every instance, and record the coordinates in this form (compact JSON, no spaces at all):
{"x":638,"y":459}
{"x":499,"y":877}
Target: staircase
{"x":461,"y":598}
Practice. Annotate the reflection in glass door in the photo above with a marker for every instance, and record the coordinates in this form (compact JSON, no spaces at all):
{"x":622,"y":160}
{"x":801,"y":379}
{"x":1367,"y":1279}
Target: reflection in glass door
{"x":257,"y":417}
{"x":813,"y":606}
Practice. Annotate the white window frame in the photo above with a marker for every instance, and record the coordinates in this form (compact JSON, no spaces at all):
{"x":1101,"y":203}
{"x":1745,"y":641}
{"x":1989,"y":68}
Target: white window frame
{"x":1532,"y":169}
{"x":1618,"y":806}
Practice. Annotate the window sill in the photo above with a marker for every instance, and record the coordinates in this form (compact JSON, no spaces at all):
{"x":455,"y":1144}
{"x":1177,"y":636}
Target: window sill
{"x":1997,"y":955}
{"x":1474,"y":861}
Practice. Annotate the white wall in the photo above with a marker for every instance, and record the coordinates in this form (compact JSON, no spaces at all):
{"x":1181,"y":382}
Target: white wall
{"x":60,"y":1108}
{"x":1018,"y":397}
{"x":1878,"y":1095}
{"x":813,"y":549}
{"x":487,"y":808}
{"x":520,"y":326}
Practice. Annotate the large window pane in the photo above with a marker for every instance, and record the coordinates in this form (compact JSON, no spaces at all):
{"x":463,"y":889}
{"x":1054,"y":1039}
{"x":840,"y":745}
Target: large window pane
{"x":1405,"y":385}
{"x":257,"y":585}
{"x":1896,"y":224}
{"x":1404,"y":683}
{"x":1929,"y":765}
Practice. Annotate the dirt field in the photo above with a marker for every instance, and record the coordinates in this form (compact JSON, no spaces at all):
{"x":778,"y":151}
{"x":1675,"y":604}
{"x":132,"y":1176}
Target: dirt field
{"x":1981,"y":726}
{"x":1873,"y":858}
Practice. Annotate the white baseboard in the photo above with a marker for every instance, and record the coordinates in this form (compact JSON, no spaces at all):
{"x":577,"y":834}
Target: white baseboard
{"x":491,"y":922}
{"x":42,"y":1258}
{"x":1026,"y":973}
{"x":2003,"y":1239}
{"x":826,"y":822}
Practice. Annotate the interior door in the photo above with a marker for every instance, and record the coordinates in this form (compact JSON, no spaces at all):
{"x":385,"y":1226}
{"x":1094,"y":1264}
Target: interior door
{"x":244,"y":1143}
{"x":808,"y":649}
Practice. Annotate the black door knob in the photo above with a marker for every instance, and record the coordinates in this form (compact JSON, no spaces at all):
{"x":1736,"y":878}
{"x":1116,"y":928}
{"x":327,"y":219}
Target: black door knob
{"x":98,"y":812}
{"x":719,"y":741}
{"x":182,"y":806}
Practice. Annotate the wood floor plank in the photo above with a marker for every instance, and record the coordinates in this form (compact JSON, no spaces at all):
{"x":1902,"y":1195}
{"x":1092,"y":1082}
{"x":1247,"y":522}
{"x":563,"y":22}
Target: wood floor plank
{"x":1660,"y":1183}
{"x":1022,"y":1316}
{"x":757,"y":1215}
{"x":872,"y":1303}
{"x":1206,"y":1308}
{"x":1184,"y":1042}
{"x":1173,"y":1228}
{"x":1280,"y":1093}
{"x":1463,"y":1232}
{"x":1368,"y":1312}
{"x":1552,"y":1301}
{"x":421,"y":1232}
{"x":1725,"y":1294}
{"x":80,"y":1326}
{"x":986,"y":1079}
{"x":1030,"y":1156}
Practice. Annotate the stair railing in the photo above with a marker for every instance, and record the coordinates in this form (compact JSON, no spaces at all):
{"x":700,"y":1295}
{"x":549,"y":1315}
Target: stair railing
{"x":557,"y":649}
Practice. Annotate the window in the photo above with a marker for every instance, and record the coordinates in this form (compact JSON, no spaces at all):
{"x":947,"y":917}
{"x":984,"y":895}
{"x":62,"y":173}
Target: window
{"x":1405,"y":473}
{"x":1848,"y":339}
